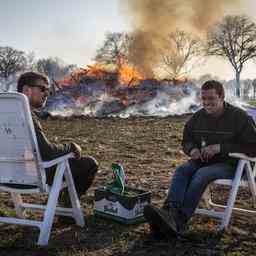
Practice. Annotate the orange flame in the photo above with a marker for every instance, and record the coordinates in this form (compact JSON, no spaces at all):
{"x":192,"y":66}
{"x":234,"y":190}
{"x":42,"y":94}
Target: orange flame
{"x":97,"y":70}
{"x":129,"y":76}
{"x":126,"y":75}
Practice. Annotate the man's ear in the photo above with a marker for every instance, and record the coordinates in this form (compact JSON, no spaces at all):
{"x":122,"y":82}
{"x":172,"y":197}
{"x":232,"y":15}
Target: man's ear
{"x":26,"y":90}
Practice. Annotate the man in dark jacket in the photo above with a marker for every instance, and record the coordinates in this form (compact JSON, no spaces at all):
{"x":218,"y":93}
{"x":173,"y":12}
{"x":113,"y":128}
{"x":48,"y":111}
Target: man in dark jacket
{"x":209,"y":136}
{"x":36,"y":87}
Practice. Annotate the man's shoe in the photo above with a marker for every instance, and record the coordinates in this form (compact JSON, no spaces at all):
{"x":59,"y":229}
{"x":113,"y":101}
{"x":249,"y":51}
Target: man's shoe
{"x":178,"y":216}
{"x":156,"y":234}
{"x":161,"y":220}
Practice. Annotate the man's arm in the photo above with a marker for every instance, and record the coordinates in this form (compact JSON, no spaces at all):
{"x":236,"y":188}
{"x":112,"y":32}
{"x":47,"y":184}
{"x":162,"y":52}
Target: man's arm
{"x":188,"y":144}
{"x":50,"y":150}
{"x":247,"y":139}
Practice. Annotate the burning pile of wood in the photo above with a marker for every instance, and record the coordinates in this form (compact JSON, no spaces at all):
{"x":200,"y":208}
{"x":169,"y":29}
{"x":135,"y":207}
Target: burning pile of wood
{"x":96,"y":91}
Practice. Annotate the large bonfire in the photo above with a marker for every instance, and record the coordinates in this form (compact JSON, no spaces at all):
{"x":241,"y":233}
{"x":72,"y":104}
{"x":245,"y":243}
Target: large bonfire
{"x":123,"y":91}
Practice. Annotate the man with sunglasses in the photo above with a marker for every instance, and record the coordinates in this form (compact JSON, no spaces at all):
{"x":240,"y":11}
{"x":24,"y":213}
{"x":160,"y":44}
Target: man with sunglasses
{"x":36,"y":87}
{"x":208,"y":137}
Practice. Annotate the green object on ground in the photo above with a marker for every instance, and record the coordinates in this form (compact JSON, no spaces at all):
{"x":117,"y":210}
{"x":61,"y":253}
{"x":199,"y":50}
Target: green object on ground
{"x":118,"y":184}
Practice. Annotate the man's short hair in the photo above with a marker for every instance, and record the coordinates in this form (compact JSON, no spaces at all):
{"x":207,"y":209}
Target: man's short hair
{"x":29,"y":79}
{"x":213,"y":84}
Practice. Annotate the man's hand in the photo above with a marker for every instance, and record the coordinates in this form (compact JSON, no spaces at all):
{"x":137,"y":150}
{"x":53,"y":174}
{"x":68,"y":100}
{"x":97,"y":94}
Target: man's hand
{"x":209,"y":151}
{"x":76,"y":149}
{"x":195,"y":154}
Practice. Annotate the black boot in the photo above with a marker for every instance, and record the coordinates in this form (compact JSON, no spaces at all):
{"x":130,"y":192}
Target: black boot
{"x":161,"y":220}
{"x":178,"y":216}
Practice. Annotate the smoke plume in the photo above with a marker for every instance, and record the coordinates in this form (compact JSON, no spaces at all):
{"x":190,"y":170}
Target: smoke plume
{"x":153,"y":20}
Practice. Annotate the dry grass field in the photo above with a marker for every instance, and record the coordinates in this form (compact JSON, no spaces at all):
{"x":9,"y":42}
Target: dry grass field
{"x":149,"y":150}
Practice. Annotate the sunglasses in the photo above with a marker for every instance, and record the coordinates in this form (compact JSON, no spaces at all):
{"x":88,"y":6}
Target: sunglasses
{"x":42,"y":88}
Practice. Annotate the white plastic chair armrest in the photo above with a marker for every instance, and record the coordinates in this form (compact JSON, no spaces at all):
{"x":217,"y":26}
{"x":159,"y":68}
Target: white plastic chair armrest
{"x":55,"y":161}
{"x":242,"y":156}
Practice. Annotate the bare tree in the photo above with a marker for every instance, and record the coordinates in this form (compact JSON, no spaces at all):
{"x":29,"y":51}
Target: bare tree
{"x":254,"y":88}
{"x":114,"y":49}
{"x":181,"y":53}
{"x":234,"y":38}
{"x":54,"y":68}
{"x":30,"y":61}
{"x":12,"y":61}
{"x":246,"y":88}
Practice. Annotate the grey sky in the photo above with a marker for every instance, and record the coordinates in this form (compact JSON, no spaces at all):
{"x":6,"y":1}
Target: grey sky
{"x":73,"y":30}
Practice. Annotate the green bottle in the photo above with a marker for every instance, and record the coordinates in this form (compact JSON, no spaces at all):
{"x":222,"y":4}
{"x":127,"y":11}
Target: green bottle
{"x":118,"y":183}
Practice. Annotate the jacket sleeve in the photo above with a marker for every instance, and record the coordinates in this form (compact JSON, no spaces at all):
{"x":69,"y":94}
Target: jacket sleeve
{"x":188,"y":142}
{"x":246,"y":138}
{"x":47,"y":149}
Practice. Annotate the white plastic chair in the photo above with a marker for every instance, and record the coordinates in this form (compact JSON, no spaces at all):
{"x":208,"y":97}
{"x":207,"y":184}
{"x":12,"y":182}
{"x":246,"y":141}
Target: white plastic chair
{"x":244,"y":177}
{"x":21,"y":164}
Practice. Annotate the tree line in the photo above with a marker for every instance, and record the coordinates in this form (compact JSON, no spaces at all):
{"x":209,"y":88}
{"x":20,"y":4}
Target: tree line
{"x":13,"y":62}
{"x":232,"y":39}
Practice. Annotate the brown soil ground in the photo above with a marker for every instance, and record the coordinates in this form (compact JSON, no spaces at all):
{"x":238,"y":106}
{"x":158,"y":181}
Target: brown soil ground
{"x":149,"y":150}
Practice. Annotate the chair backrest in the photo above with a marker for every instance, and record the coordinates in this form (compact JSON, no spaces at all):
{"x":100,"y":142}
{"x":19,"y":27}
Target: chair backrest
{"x":20,"y":160}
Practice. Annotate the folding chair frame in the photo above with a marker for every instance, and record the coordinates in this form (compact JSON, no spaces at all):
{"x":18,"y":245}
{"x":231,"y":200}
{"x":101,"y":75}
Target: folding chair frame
{"x":244,"y":177}
{"x":50,"y":209}
{"x":62,"y":170}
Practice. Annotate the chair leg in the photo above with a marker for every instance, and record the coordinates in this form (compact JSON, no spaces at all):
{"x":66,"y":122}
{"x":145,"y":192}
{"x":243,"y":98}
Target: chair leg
{"x":17,"y":200}
{"x":251,"y":183}
{"x":76,"y":206}
{"x":49,"y":213}
{"x":232,"y":195}
{"x":207,"y":198}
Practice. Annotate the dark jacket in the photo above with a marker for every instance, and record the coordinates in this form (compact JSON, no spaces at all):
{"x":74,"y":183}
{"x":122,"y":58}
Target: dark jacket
{"x":234,"y":130}
{"x":48,"y":150}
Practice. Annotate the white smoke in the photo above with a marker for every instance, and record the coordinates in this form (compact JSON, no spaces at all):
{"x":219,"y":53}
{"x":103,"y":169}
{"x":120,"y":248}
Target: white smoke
{"x":160,"y":100}
{"x":162,"y":105}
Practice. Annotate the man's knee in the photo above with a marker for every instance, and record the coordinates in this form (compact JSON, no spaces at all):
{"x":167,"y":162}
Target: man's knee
{"x":181,"y":168}
{"x":186,"y":169}
{"x":203,"y":176}
{"x":92,"y":163}
{"x":87,"y":164}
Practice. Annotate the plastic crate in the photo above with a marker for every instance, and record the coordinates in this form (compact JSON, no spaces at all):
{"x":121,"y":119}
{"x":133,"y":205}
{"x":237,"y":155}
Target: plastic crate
{"x":126,"y":208}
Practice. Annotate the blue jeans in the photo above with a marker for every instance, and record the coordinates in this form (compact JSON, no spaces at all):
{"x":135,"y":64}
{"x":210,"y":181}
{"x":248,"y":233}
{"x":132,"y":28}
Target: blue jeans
{"x":190,"y":181}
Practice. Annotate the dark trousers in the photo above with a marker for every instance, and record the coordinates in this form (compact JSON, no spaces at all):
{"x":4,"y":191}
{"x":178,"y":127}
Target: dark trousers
{"x":83,"y":171}
{"x":190,"y":181}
